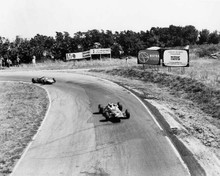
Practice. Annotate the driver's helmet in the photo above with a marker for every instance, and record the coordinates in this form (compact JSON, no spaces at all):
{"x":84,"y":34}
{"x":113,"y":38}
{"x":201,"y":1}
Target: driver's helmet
{"x":110,"y":105}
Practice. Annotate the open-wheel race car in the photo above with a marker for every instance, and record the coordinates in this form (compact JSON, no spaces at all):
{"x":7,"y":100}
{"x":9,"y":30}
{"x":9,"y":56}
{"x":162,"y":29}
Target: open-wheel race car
{"x":113,"y":112}
{"x":43,"y":80}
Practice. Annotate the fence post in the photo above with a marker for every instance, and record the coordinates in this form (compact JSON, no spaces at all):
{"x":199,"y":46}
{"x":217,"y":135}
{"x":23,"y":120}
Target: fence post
{"x":169,"y":69}
{"x":182,"y":70}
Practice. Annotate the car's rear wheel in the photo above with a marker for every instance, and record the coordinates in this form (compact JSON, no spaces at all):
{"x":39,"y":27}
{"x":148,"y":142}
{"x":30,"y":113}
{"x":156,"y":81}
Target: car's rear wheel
{"x":127,"y":114}
{"x":120,"y":107}
{"x":106,"y":115}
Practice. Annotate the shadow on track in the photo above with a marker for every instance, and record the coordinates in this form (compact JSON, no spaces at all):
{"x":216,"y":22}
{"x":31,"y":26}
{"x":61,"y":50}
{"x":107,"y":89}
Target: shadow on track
{"x":107,"y":119}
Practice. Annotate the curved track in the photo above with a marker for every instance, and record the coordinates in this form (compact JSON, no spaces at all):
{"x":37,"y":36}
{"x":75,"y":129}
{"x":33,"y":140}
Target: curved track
{"x":75,"y":140}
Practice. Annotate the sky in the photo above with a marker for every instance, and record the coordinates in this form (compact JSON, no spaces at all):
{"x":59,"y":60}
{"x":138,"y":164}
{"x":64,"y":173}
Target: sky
{"x":26,"y":18}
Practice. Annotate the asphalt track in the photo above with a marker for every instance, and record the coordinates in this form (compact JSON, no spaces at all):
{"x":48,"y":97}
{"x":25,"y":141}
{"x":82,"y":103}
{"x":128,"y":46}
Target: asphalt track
{"x":75,"y":140}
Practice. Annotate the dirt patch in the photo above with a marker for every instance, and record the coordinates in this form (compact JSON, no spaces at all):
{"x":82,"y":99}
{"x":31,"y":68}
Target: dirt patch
{"x":22,"y":108}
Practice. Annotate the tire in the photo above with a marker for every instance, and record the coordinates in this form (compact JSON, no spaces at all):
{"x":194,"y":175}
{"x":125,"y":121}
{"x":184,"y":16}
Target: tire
{"x":33,"y":80}
{"x":120,"y":107}
{"x":106,"y":115}
{"x":115,"y":120}
{"x":127,"y":114}
{"x":100,"y":109}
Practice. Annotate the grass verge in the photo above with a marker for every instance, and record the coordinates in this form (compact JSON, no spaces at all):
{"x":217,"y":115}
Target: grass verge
{"x":22,"y":108}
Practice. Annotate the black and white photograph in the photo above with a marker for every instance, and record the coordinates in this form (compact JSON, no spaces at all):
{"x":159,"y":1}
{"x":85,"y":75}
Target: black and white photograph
{"x":110,"y":88}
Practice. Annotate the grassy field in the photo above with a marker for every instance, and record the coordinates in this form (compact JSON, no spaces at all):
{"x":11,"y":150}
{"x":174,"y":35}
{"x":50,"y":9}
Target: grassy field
{"x":59,"y":65}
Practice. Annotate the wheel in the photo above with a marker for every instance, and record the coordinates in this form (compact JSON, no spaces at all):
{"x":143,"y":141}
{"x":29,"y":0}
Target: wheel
{"x":115,"y":120}
{"x":127,"y":114}
{"x":100,"y":109}
{"x":33,"y":80}
{"x":106,"y":115}
{"x":119,"y":106}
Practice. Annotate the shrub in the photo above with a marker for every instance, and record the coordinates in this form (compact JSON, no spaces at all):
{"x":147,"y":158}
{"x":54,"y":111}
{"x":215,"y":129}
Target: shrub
{"x":206,"y":50}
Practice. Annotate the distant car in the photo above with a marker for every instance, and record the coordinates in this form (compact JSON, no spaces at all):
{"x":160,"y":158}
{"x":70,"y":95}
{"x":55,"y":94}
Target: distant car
{"x":113,"y":112}
{"x":43,"y":80}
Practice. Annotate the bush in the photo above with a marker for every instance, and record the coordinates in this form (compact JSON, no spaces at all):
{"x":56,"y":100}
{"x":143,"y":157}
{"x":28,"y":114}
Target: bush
{"x":206,"y":50}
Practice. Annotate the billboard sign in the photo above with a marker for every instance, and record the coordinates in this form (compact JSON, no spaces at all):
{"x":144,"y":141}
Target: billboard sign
{"x":176,"y":58}
{"x":74,"y":56}
{"x":100,"y":51}
{"x":70,"y":56}
{"x":150,"y":57}
{"x":86,"y":54}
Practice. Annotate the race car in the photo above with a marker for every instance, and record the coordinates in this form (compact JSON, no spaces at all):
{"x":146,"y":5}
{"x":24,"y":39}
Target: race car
{"x":113,"y":112}
{"x":43,"y":80}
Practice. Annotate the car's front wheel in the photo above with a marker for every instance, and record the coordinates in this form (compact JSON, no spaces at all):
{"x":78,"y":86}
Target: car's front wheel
{"x":115,"y":120}
{"x":100,"y":109}
{"x":120,"y":107}
{"x":107,"y":115}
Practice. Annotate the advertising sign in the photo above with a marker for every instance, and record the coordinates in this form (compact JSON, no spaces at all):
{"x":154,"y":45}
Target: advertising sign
{"x":100,"y":51}
{"x":70,"y":56}
{"x":73,"y":56}
{"x":86,"y":54}
{"x":176,"y":58}
{"x":150,"y":57}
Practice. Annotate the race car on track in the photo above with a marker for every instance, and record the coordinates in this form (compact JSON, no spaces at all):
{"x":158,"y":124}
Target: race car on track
{"x":43,"y":80}
{"x":113,"y":112}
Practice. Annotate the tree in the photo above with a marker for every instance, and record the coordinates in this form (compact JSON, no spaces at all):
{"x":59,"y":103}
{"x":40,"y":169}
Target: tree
{"x":130,"y":42}
{"x":62,"y":45}
{"x":116,"y":50}
{"x":144,"y":37}
{"x":190,"y":35}
{"x":4,"y":46}
{"x":203,"y":36}
{"x":107,"y":39}
{"x":176,"y":36}
{"x":164,"y":37}
{"x":80,"y":41}
{"x":154,"y":37}
{"x":214,"y":38}
{"x":24,"y":51}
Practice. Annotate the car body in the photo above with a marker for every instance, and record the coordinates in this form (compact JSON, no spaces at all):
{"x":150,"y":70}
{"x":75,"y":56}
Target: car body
{"x":43,"y":80}
{"x":113,"y":112}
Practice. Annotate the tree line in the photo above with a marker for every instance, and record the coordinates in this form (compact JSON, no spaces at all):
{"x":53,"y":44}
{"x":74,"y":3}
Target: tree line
{"x":127,"y":42}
